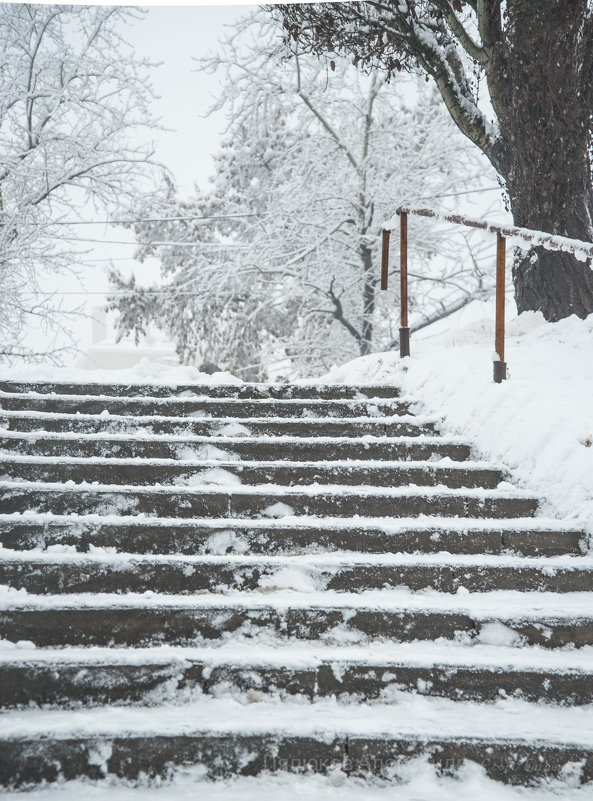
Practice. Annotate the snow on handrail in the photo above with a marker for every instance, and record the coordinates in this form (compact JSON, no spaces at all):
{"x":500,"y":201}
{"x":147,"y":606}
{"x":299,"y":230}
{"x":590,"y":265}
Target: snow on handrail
{"x":580,"y":250}
{"x":518,"y":236}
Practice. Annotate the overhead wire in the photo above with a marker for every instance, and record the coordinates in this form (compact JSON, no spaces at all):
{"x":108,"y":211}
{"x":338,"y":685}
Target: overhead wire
{"x":220,"y":245}
{"x":195,"y":217}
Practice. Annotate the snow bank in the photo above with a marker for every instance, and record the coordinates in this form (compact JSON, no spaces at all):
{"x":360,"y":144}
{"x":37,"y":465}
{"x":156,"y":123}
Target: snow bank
{"x":145,"y":372}
{"x":539,"y":422}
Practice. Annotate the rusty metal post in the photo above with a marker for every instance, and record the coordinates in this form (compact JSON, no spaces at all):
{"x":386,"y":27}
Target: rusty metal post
{"x":404,"y":331}
{"x":385,"y":259}
{"x":499,"y":365}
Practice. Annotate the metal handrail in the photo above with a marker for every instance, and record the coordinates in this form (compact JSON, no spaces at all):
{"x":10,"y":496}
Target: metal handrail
{"x":580,"y":249}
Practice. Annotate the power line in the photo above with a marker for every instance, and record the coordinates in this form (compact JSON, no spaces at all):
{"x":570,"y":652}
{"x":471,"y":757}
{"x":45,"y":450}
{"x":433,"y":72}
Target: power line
{"x":110,"y":293}
{"x":180,"y":218}
{"x":219,"y":246}
{"x":238,"y":216}
{"x":156,"y":219}
{"x":466,"y":192}
{"x":199,"y":244}
{"x":90,"y":260}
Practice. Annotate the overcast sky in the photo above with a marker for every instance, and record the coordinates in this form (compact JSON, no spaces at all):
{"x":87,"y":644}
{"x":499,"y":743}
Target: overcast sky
{"x":174,"y":35}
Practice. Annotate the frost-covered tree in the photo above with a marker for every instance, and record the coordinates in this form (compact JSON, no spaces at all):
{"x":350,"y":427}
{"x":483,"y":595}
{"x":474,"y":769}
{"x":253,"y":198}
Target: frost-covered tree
{"x":310,"y":169}
{"x":536,"y":59}
{"x":71,"y":94}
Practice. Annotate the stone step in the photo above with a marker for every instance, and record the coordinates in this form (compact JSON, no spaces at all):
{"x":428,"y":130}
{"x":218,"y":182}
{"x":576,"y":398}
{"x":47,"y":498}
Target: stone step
{"x":25,"y":761}
{"x":218,"y":429}
{"x":262,"y":501}
{"x":291,"y":474}
{"x":72,"y":677}
{"x":263,"y":603}
{"x":138,"y":445}
{"x":528,"y":537}
{"x":512,"y":743}
{"x":206,"y":407}
{"x":326,"y":617}
{"x":239,"y":390}
{"x":53,"y":573}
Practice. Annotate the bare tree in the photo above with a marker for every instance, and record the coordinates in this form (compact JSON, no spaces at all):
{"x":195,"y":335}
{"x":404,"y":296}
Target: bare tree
{"x":71,"y":95}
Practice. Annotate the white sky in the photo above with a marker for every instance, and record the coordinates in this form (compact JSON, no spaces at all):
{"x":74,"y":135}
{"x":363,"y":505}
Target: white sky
{"x":173,"y":35}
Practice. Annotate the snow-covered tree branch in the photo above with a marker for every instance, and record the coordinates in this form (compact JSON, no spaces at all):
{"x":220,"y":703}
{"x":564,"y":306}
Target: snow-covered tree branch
{"x":309,"y":172}
{"x":71,"y":96}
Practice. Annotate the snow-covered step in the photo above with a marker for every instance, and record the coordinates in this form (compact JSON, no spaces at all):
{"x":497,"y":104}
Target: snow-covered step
{"x":527,"y":536}
{"x":94,"y":676}
{"x":139,"y":443}
{"x":202,"y":407}
{"x":146,"y":472}
{"x":513,"y":740}
{"x":551,"y":620}
{"x":203,"y":425}
{"x":205,"y":570}
{"x":51,"y":572}
{"x":235,"y":500}
{"x":237,"y":390}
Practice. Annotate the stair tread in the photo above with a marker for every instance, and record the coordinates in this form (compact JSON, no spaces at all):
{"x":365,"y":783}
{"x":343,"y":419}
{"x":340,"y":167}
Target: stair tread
{"x":197,"y":397}
{"x":355,"y":464}
{"x":23,"y":387}
{"x":219,"y":423}
{"x":216,"y":439}
{"x":199,"y":409}
{"x":389,"y":525}
{"x":495,"y":604}
{"x":414,"y":716}
{"x":299,"y":654}
{"x":327,"y":560}
{"x":143,"y":435}
{"x":271,"y":489}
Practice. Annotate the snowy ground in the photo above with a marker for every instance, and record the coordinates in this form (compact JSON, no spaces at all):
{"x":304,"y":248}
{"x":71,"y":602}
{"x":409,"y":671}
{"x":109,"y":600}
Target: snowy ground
{"x":145,"y":372}
{"x":538,"y":423}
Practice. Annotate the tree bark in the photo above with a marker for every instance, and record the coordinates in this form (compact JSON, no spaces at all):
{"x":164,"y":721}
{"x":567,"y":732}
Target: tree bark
{"x":539,"y":81}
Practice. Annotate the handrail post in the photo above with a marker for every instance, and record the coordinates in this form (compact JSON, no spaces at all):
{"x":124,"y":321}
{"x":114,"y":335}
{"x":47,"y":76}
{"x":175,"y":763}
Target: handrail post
{"x":499,"y":365}
{"x":404,"y":331}
{"x":385,"y":259}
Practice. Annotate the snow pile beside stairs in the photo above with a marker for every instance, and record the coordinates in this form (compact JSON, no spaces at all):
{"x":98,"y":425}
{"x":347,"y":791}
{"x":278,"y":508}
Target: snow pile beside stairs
{"x":144,"y":372}
{"x":539,"y":422}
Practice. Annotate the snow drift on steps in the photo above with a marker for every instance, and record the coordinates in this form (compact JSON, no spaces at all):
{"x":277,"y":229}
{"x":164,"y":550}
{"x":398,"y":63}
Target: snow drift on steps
{"x":406,"y":715}
{"x":539,"y":423}
{"x":419,"y":782}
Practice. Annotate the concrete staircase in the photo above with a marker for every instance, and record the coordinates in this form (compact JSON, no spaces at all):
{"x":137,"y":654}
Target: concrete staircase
{"x":263,"y":577}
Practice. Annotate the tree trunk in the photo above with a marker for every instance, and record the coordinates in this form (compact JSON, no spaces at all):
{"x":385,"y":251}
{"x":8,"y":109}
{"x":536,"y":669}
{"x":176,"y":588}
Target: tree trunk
{"x":552,"y":195}
{"x":539,"y":89}
{"x":554,"y":283}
